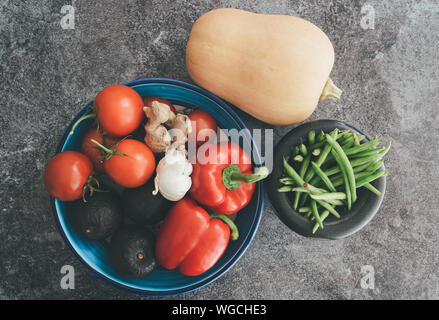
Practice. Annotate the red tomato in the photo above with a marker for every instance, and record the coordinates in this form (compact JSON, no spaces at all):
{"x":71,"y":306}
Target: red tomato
{"x":119,"y":109}
{"x":148,"y":102}
{"x":134,"y":167}
{"x":66,"y":174}
{"x":201,"y":120}
{"x":96,"y":156}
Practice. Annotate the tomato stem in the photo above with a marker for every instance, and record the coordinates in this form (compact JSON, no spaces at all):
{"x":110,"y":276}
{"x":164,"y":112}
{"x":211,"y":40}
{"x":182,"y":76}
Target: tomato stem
{"x":109,"y":152}
{"x":88,"y":116}
{"x":88,"y":186}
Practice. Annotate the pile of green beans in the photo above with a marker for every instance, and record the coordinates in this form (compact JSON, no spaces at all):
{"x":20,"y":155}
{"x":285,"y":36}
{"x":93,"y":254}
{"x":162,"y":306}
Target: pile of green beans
{"x":325,"y":172}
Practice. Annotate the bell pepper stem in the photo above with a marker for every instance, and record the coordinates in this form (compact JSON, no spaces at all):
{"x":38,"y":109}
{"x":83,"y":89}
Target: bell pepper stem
{"x":229,"y":222}
{"x":261,"y":173}
{"x":232,"y":176}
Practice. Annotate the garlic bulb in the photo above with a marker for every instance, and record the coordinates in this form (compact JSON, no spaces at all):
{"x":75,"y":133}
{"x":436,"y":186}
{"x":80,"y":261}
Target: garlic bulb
{"x":173,"y":174}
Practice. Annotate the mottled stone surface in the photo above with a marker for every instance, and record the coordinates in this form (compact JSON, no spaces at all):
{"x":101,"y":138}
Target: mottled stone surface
{"x":390,"y":79}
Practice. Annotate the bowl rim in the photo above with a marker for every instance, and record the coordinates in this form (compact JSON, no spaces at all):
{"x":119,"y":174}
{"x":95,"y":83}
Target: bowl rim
{"x":291,"y":218}
{"x":255,"y":223}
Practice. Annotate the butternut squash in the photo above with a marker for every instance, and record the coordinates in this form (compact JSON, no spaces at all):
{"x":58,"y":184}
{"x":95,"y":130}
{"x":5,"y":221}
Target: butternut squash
{"x":274,"y":67}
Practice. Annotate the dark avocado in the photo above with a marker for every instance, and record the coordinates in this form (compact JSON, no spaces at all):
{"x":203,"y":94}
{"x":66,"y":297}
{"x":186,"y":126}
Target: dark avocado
{"x":142,"y":206}
{"x":97,"y":218}
{"x":131,"y":252}
{"x":105,"y":183}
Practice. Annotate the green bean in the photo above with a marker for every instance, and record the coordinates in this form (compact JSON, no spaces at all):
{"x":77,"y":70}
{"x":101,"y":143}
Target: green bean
{"x":323,"y":216}
{"x":303,"y":168}
{"x":336,"y":202}
{"x":328,"y":207}
{"x":298,"y":158}
{"x":321,"y":159}
{"x":338,"y":180}
{"x":285,"y":189}
{"x":303,"y":150}
{"x":292,"y":173}
{"x":311,"y":137}
{"x":296,"y":177}
{"x":364,"y":146}
{"x":329,"y":196}
{"x":323,"y":155}
{"x":372,"y":177}
{"x":316,"y":152}
{"x":371,"y":188}
{"x":357,"y":168}
{"x":344,"y":178}
{"x":323,"y":176}
{"x":305,"y":209}
{"x":367,"y":153}
{"x":318,"y":144}
{"x":286,"y":181}
{"x":347,"y":145}
{"x":321,"y":136}
{"x":300,"y":190}
{"x":315,"y":213}
{"x":345,"y":136}
{"x":307,"y":190}
{"x":361,"y":168}
{"x":374,"y":166}
{"x":344,"y":164}
{"x":356,"y":140}
{"x":328,"y":199}
{"x":375,"y":157}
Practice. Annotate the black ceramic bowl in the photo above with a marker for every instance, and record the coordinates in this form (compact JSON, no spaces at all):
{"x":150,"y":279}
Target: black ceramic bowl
{"x":362,"y":211}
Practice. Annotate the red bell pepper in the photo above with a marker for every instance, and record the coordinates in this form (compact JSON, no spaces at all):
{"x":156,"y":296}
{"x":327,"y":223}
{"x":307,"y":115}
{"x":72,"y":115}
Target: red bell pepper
{"x":225,"y":184}
{"x":192,"y":240}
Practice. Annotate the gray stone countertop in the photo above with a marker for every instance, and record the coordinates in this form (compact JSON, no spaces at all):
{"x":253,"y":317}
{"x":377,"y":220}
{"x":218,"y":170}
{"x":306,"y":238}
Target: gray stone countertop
{"x":389,"y":75}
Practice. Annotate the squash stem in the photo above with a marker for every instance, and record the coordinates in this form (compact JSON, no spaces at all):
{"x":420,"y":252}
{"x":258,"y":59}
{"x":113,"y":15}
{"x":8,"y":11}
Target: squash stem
{"x":330,"y":91}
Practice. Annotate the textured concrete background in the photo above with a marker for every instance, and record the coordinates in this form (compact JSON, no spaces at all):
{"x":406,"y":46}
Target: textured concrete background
{"x":390,"y":80}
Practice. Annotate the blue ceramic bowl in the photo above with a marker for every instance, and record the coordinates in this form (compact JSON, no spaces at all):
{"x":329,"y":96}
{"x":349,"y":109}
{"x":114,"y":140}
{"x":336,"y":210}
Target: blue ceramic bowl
{"x":162,"y":281}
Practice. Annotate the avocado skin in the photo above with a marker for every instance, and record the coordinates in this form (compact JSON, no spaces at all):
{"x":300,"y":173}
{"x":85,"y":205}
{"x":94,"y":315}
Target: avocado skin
{"x":101,"y":214}
{"x":140,"y":205}
{"x":125,"y":245}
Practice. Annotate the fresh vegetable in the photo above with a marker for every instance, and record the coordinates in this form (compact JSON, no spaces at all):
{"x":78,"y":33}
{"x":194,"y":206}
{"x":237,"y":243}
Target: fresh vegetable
{"x":130,"y":163}
{"x":173,"y":174}
{"x":149,"y":100}
{"x":68,"y":176}
{"x":204,"y":126}
{"x":343,"y":165}
{"x":92,"y":152}
{"x":192,"y":240}
{"x":274,"y":67}
{"x":144,"y":208}
{"x":221,"y":185}
{"x":118,"y":110}
{"x":131,"y":252}
{"x":97,"y":218}
{"x":157,"y":136}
